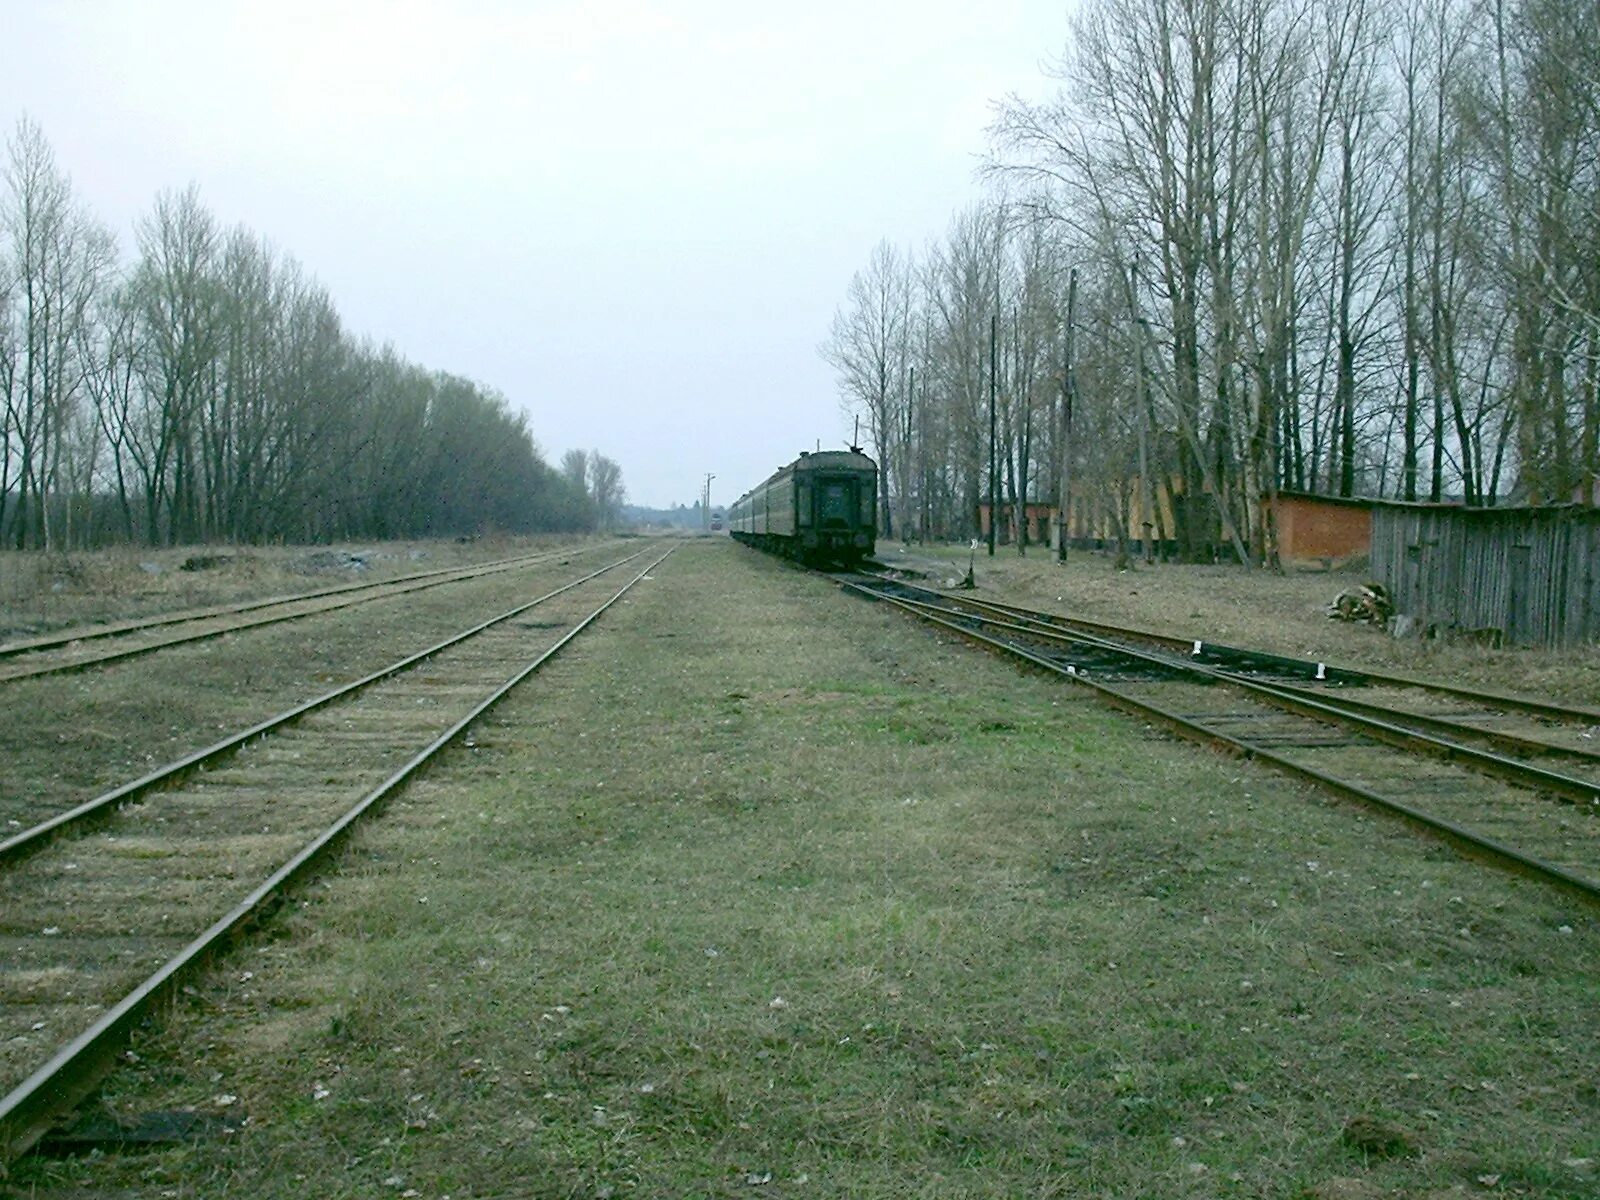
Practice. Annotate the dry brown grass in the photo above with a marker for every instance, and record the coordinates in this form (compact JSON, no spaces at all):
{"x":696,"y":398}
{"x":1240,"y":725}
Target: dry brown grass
{"x":41,"y":592}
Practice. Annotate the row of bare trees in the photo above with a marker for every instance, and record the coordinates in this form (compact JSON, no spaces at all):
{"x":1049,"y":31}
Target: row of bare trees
{"x":208,"y":390}
{"x":1347,"y":246}
{"x":599,"y":478}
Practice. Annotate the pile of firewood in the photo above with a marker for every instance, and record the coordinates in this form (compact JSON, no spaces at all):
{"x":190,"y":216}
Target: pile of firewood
{"x":1370,"y":603}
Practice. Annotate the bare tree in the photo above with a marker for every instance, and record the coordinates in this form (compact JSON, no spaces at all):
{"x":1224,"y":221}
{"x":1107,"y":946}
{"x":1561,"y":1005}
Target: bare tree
{"x":57,"y":258}
{"x":605,"y":488}
{"x":179,"y":298}
{"x":211,"y":390}
{"x":961,"y":285}
{"x":575,"y":466}
{"x":869,"y":346}
{"x":1309,"y":263}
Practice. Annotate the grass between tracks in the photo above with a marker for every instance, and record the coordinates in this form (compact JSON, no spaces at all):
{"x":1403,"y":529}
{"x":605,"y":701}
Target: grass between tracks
{"x":66,"y":737}
{"x":763,"y":891}
{"x":44,"y":591}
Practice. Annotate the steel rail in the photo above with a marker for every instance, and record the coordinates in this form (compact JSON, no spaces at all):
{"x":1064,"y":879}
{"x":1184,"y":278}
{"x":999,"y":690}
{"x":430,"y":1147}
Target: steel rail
{"x":1571,"y":787}
{"x":459,"y":575}
{"x":1197,"y":647}
{"x":1476,"y":843}
{"x":1514,"y":742}
{"x":1191,"y":648}
{"x":57,"y":1087}
{"x":35,"y":837}
{"x":1448,"y":726}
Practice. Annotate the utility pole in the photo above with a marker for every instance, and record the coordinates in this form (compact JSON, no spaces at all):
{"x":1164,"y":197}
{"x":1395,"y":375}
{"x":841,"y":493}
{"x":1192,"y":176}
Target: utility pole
{"x":1142,"y":415}
{"x":1068,"y":390}
{"x":912,"y":492}
{"x":1021,"y":432}
{"x":925,"y":487}
{"x":1146,"y":501}
{"x":994,"y":474}
{"x":705,"y":505}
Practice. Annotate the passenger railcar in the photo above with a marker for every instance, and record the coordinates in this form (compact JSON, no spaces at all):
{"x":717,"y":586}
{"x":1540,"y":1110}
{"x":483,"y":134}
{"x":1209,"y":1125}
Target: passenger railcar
{"x":823,"y":507}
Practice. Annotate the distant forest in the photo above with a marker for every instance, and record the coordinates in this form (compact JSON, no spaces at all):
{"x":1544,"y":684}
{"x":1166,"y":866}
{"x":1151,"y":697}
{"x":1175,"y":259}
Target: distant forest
{"x":679,"y":516}
{"x":1342,"y":246}
{"x":207,"y":390}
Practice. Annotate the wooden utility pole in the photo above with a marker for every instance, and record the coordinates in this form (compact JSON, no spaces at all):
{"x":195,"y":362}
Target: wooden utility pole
{"x":994,"y":473}
{"x":905,"y":459}
{"x":1017,"y":466}
{"x":1142,"y":415}
{"x":1064,"y":440}
{"x":926,"y":481}
{"x":1146,"y":492}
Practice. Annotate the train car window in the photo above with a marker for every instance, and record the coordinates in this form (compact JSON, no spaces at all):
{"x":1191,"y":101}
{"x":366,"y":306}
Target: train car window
{"x":838,"y":504}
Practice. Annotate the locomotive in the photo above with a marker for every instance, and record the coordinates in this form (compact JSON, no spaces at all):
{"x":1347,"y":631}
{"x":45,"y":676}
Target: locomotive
{"x":820,"y":508}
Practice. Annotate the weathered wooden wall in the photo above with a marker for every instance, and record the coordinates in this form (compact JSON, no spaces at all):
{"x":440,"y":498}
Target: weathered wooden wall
{"x":1531,"y":573}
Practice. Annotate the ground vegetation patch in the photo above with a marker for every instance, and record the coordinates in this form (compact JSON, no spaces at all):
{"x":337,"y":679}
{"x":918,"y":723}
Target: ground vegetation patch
{"x":796,"y":898}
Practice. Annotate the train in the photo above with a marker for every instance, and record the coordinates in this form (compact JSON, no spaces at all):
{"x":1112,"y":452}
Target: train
{"x":821,"y":508}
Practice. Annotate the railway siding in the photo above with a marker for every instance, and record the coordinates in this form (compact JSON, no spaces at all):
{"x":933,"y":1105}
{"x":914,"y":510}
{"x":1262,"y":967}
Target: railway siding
{"x":71,"y":737}
{"x":81,"y":650}
{"x":168,"y":867}
{"x":1352,"y":750}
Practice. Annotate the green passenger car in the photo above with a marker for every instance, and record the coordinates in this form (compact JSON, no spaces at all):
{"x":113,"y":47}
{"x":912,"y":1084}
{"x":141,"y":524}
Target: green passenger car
{"x":820,"y":508}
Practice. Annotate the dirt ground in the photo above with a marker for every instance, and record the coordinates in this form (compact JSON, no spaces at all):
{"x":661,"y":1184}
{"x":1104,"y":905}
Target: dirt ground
{"x":1282,"y":613}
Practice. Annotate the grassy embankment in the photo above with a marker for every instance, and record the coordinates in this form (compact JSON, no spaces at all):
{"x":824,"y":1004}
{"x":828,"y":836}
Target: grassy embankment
{"x":764,"y":891}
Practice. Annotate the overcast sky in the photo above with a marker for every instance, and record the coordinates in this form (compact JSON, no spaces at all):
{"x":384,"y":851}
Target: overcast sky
{"x":635,"y":220}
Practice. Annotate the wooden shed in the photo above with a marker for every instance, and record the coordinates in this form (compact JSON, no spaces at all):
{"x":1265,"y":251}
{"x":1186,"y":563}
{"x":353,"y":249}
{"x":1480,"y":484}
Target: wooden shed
{"x":1528,"y":576}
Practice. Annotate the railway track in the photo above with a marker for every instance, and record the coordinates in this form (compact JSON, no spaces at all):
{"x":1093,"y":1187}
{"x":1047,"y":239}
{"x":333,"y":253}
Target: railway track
{"x":84,"y":648}
{"x":1569,"y":727}
{"x":96,"y":928}
{"x":1512,"y":780}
